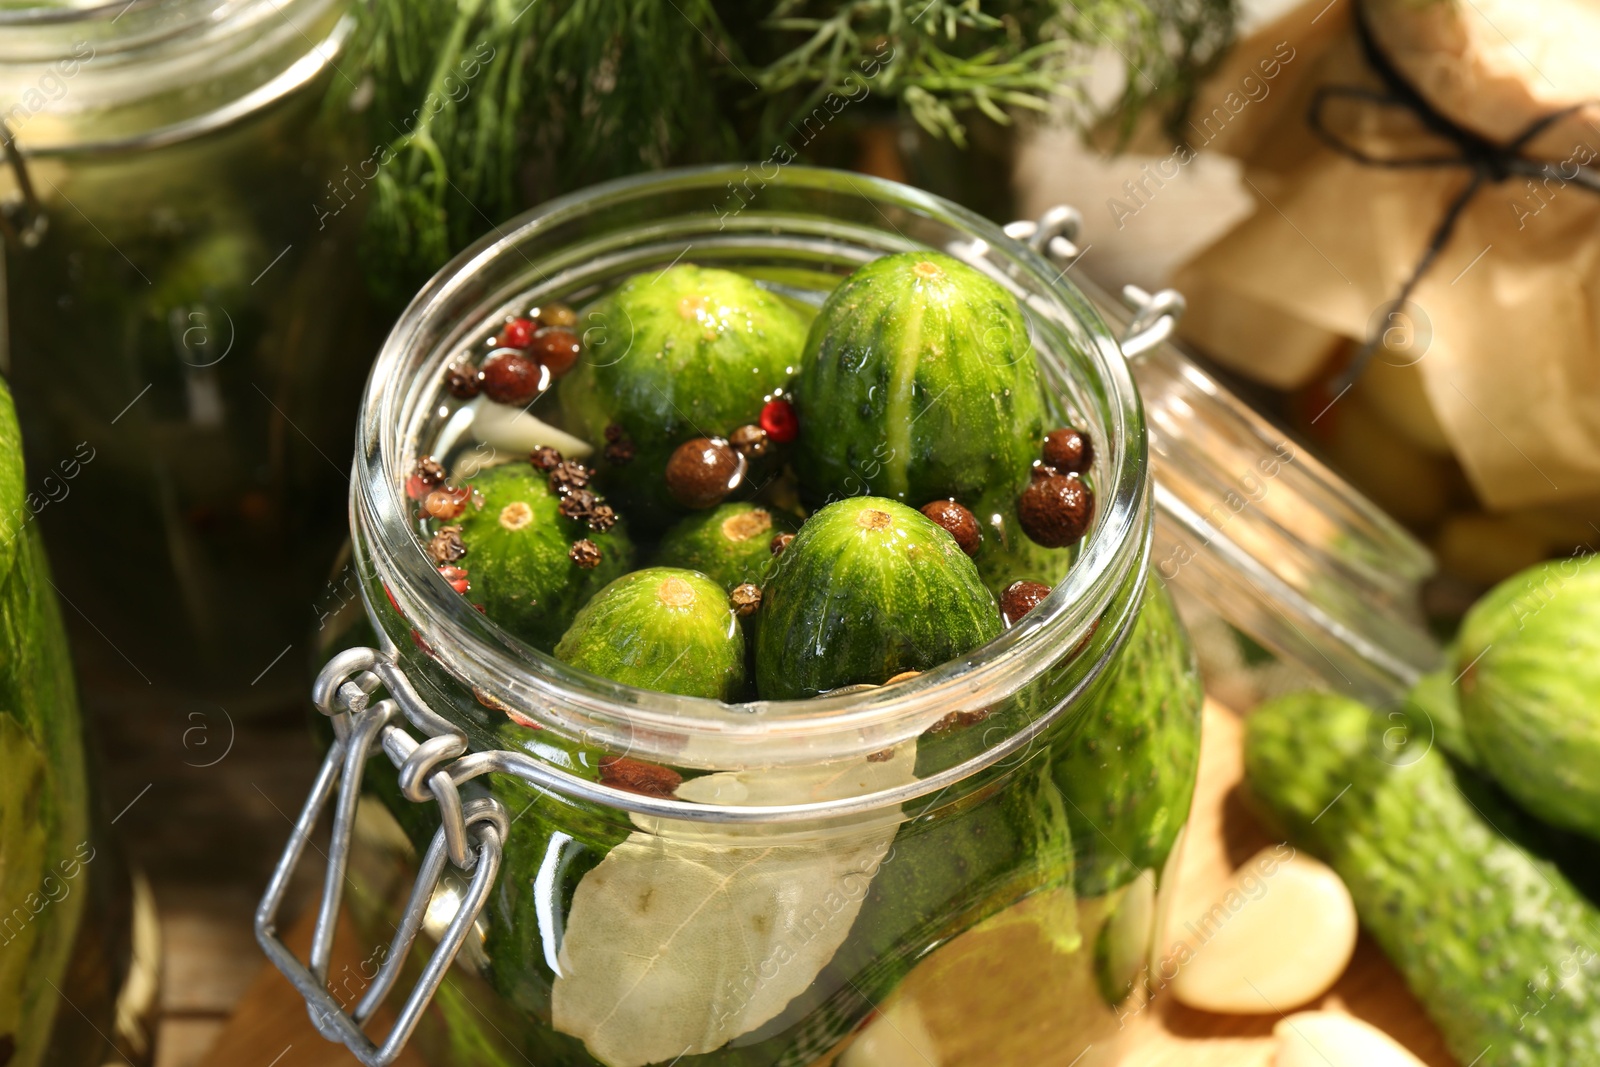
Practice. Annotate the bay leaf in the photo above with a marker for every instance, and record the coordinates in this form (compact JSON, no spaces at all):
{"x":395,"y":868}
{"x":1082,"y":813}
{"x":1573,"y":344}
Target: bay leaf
{"x":685,"y":937}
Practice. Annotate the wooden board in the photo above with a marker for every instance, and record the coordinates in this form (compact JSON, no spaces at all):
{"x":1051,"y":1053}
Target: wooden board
{"x":271,"y":1019}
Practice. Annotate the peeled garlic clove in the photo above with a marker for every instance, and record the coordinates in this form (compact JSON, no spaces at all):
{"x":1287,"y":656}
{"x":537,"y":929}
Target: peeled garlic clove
{"x":1278,"y":937}
{"x":1327,"y":1039}
{"x":896,"y":1038}
{"x":509,"y":429}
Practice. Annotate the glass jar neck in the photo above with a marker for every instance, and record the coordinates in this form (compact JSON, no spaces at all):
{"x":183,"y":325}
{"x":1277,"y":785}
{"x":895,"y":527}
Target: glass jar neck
{"x":138,"y":73}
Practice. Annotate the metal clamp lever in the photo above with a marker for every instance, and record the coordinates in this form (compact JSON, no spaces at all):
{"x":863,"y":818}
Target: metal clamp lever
{"x":471,"y":837}
{"x":1054,"y":235}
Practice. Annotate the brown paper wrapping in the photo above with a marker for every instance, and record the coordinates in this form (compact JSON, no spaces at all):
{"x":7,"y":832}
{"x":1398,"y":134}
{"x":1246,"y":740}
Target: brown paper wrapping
{"x":1505,"y":334}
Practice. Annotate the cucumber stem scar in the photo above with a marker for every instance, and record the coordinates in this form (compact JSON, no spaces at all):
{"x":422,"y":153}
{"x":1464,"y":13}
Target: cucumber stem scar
{"x":675,"y":593}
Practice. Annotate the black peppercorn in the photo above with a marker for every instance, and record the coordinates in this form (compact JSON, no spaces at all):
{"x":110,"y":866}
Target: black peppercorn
{"x":461,"y":381}
{"x":750,"y":441}
{"x":568,"y":475}
{"x":746,"y":599}
{"x":578,"y":504}
{"x":445,"y":546}
{"x":585,"y":553}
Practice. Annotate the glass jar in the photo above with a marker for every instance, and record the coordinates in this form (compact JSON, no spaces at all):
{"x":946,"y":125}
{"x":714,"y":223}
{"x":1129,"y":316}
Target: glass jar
{"x":67,"y":940}
{"x":972,"y":866}
{"x":184,"y":327}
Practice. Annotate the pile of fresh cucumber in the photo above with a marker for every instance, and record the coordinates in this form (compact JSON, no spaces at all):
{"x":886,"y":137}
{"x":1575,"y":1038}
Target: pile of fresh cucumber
{"x":905,"y":419}
{"x":1465,"y":822}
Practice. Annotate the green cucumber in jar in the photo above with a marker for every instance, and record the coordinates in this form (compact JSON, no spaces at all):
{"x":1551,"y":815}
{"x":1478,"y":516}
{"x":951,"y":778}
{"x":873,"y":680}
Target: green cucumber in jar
{"x":919,"y":382}
{"x":1495,"y":941}
{"x":1128,"y":773}
{"x":868,"y":589}
{"x":661,"y":628}
{"x":684,"y":353}
{"x":520,"y":554}
{"x":731,"y":543}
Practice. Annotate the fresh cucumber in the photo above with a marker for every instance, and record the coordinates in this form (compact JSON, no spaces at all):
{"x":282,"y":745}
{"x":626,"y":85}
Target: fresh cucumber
{"x":1529,"y":662}
{"x":1497,"y":944}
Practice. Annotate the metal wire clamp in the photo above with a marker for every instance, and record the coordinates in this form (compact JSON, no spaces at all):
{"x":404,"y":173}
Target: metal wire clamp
{"x":471,"y":837}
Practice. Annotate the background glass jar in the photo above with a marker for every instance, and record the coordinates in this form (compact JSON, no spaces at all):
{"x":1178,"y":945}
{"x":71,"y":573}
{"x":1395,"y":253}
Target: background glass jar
{"x":184,"y":327}
{"x":70,"y":948}
{"x":978,"y":856}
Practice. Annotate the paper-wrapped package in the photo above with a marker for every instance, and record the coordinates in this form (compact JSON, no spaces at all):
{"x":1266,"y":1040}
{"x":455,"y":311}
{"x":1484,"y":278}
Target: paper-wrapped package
{"x":1495,"y":358}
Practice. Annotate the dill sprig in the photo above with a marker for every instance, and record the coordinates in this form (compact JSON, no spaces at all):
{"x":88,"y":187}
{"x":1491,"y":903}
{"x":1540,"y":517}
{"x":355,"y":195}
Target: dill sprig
{"x":481,"y":108}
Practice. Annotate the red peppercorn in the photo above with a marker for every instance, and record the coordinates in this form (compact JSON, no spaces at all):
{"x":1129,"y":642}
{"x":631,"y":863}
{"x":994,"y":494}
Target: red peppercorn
{"x":778,"y":419}
{"x":516,"y":333}
{"x":456,"y":576}
{"x":958,"y":522}
{"x":509,"y":377}
{"x":1068,"y":451}
{"x":702,"y":472}
{"x":1055,"y":509}
{"x":557,"y":349}
{"x":446,"y":503}
{"x":1021,"y":598}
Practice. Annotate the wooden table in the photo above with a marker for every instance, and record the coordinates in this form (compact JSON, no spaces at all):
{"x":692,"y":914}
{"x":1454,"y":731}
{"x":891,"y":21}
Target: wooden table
{"x":270,"y":1024}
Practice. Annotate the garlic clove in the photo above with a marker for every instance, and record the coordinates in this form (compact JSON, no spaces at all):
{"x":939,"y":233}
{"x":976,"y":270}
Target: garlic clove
{"x":896,"y":1038}
{"x":1278,"y":937}
{"x":1328,"y":1039}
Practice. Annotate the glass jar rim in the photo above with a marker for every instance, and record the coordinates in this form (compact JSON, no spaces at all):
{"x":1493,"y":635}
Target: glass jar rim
{"x":130,"y":74}
{"x":700,"y":731}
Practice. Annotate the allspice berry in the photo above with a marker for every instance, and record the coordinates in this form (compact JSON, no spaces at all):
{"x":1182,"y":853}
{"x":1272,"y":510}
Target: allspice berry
{"x":1068,"y":451}
{"x":750,"y":441}
{"x":556,"y":315}
{"x":746,"y":599}
{"x":1056,"y":508}
{"x":585,"y":553}
{"x":1021,"y":598}
{"x":702,"y":472}
{"x":509,"y":377}
{"x":958,"y":522}
{"x":557,"y":349}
